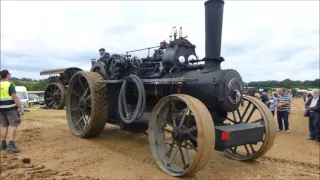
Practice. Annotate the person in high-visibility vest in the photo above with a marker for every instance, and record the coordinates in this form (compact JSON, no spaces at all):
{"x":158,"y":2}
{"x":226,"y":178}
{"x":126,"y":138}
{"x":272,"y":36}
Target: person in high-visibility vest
{"x":10,"y":109}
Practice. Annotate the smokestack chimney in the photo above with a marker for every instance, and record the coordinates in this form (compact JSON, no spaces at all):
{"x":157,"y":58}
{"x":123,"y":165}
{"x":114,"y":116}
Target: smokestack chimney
{"x":213,"y":30}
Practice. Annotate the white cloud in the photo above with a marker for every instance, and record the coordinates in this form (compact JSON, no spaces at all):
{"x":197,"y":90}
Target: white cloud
{"x":261,"y":39}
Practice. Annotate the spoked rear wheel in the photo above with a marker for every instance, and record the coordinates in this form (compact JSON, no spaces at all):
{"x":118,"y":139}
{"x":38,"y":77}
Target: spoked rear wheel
{"x":176,"y":121}
{"x":253,"y":111}
{"x":87,"y":104}
{"x":54,"y":96}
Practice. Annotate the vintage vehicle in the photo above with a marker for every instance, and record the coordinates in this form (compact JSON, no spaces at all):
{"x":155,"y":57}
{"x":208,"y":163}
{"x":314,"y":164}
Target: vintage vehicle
{"x":187,"y":106}
{"x":55,"y":92}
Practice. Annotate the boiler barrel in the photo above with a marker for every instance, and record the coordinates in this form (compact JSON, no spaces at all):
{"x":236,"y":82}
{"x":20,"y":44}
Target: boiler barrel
{"x":213,"y":29}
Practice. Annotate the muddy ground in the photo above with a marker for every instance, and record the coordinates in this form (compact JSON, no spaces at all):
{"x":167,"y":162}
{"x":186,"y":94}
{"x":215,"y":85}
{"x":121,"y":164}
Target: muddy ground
{"x":55,"y":153}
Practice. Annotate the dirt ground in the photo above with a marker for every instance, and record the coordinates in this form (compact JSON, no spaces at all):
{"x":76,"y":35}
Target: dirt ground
{"x":55,"y":153}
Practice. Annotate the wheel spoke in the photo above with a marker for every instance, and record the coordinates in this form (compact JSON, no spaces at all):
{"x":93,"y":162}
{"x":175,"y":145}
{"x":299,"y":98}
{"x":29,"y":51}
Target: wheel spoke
{"x":248,"y":153}
{"x":190,"y":129}
{"x":185,"y":112}
{"x":252,"y":111}
{"x":187,"y":155}
{"x":81,"y":84}
{"x":172,"y":157}
{"x":55,"y":90}
{"x":75,"y":93}
{"x":173,"y":114}
{"x":81,"y":118}
{"x":235,"y":149}
{"x":182,"y":156}
{"x":245,"y":111}
{"x":88,"y":98}
{"x":231,"y":120}
{"x":51,"y":103}
{"x":171,"y":147}
{"x":85,"y":92}
{"x":234,"y":116}
{"x":253,"y":151}
{"x":239,"y":115}
{"x":190,"y":144}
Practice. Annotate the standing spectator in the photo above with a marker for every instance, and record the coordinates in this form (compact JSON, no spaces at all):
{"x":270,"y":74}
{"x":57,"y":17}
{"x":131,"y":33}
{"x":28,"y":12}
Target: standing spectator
{"x":272,"y":101}
{"x":264,"y":97}
{"x":313,"y":106}
{"x":288,"y":93}
{"x":304,"y":96}
{"x":283,"y":107}
{"x":9,"y":116}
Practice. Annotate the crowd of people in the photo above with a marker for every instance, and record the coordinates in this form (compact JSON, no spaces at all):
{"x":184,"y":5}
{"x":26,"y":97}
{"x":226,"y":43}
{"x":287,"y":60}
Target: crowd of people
{"x":281,"y":102}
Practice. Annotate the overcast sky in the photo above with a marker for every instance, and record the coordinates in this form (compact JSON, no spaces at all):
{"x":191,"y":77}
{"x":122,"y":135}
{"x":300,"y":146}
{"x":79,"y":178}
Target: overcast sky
{"x":262,"y":40}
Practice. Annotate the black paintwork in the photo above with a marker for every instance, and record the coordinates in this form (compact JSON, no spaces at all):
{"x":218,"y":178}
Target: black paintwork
{"x":240,"y":134}
{"x":162,"y":73}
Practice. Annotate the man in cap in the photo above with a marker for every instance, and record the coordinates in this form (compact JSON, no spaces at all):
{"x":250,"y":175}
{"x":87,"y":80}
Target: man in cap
{"x":104,"y":55}
{"x":9,"y":116}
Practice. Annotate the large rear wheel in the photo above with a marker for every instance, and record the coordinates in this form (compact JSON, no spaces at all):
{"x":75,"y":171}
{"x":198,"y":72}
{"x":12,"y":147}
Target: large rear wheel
{"x":176,"y":122}
{"x":55,"y":96}
{"x":252,"y":111}
{"x":87,"y":104}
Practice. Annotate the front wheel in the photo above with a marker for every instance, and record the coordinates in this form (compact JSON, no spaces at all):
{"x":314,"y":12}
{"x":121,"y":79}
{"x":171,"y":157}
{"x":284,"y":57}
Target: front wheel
{"x":176,"y":122}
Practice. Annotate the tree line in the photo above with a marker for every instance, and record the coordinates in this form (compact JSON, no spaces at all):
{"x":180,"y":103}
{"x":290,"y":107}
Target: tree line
{"x":31,"y":84}
{"x":40,"y":85}
{"x":287,"y":83}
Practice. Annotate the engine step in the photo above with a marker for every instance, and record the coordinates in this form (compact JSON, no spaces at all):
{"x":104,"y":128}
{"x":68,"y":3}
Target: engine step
{"x":238,"y":134}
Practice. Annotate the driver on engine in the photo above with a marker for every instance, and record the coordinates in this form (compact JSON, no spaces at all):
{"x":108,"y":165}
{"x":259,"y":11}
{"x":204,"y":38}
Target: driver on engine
{"x":104,"y":55}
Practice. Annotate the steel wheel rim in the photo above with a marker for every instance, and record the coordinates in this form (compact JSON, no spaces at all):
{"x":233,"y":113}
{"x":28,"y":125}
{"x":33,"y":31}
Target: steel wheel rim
{"x":79,"y":104}
{"x":205,"y":137}
{"x":251,"y":152}
{"x":52,"y":96}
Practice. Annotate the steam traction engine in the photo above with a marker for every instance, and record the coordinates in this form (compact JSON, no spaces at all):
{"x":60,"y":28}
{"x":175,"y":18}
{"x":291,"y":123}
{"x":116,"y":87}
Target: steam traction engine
{"x":187,"y":109}
{"x":55,"y":92}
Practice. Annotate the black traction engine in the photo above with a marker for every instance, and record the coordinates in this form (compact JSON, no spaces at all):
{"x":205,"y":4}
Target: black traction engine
{"x":187,"y":106}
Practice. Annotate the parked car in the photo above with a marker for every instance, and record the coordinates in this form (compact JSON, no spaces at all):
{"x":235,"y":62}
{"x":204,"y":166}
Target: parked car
{"x":35,"y":99}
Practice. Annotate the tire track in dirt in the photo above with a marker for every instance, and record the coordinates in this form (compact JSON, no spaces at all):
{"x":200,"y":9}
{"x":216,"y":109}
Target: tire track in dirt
{"x":13,"y":168}
{"x":33,"y":136}
{"x":295,"y":165}
{"x":59,"y":134}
